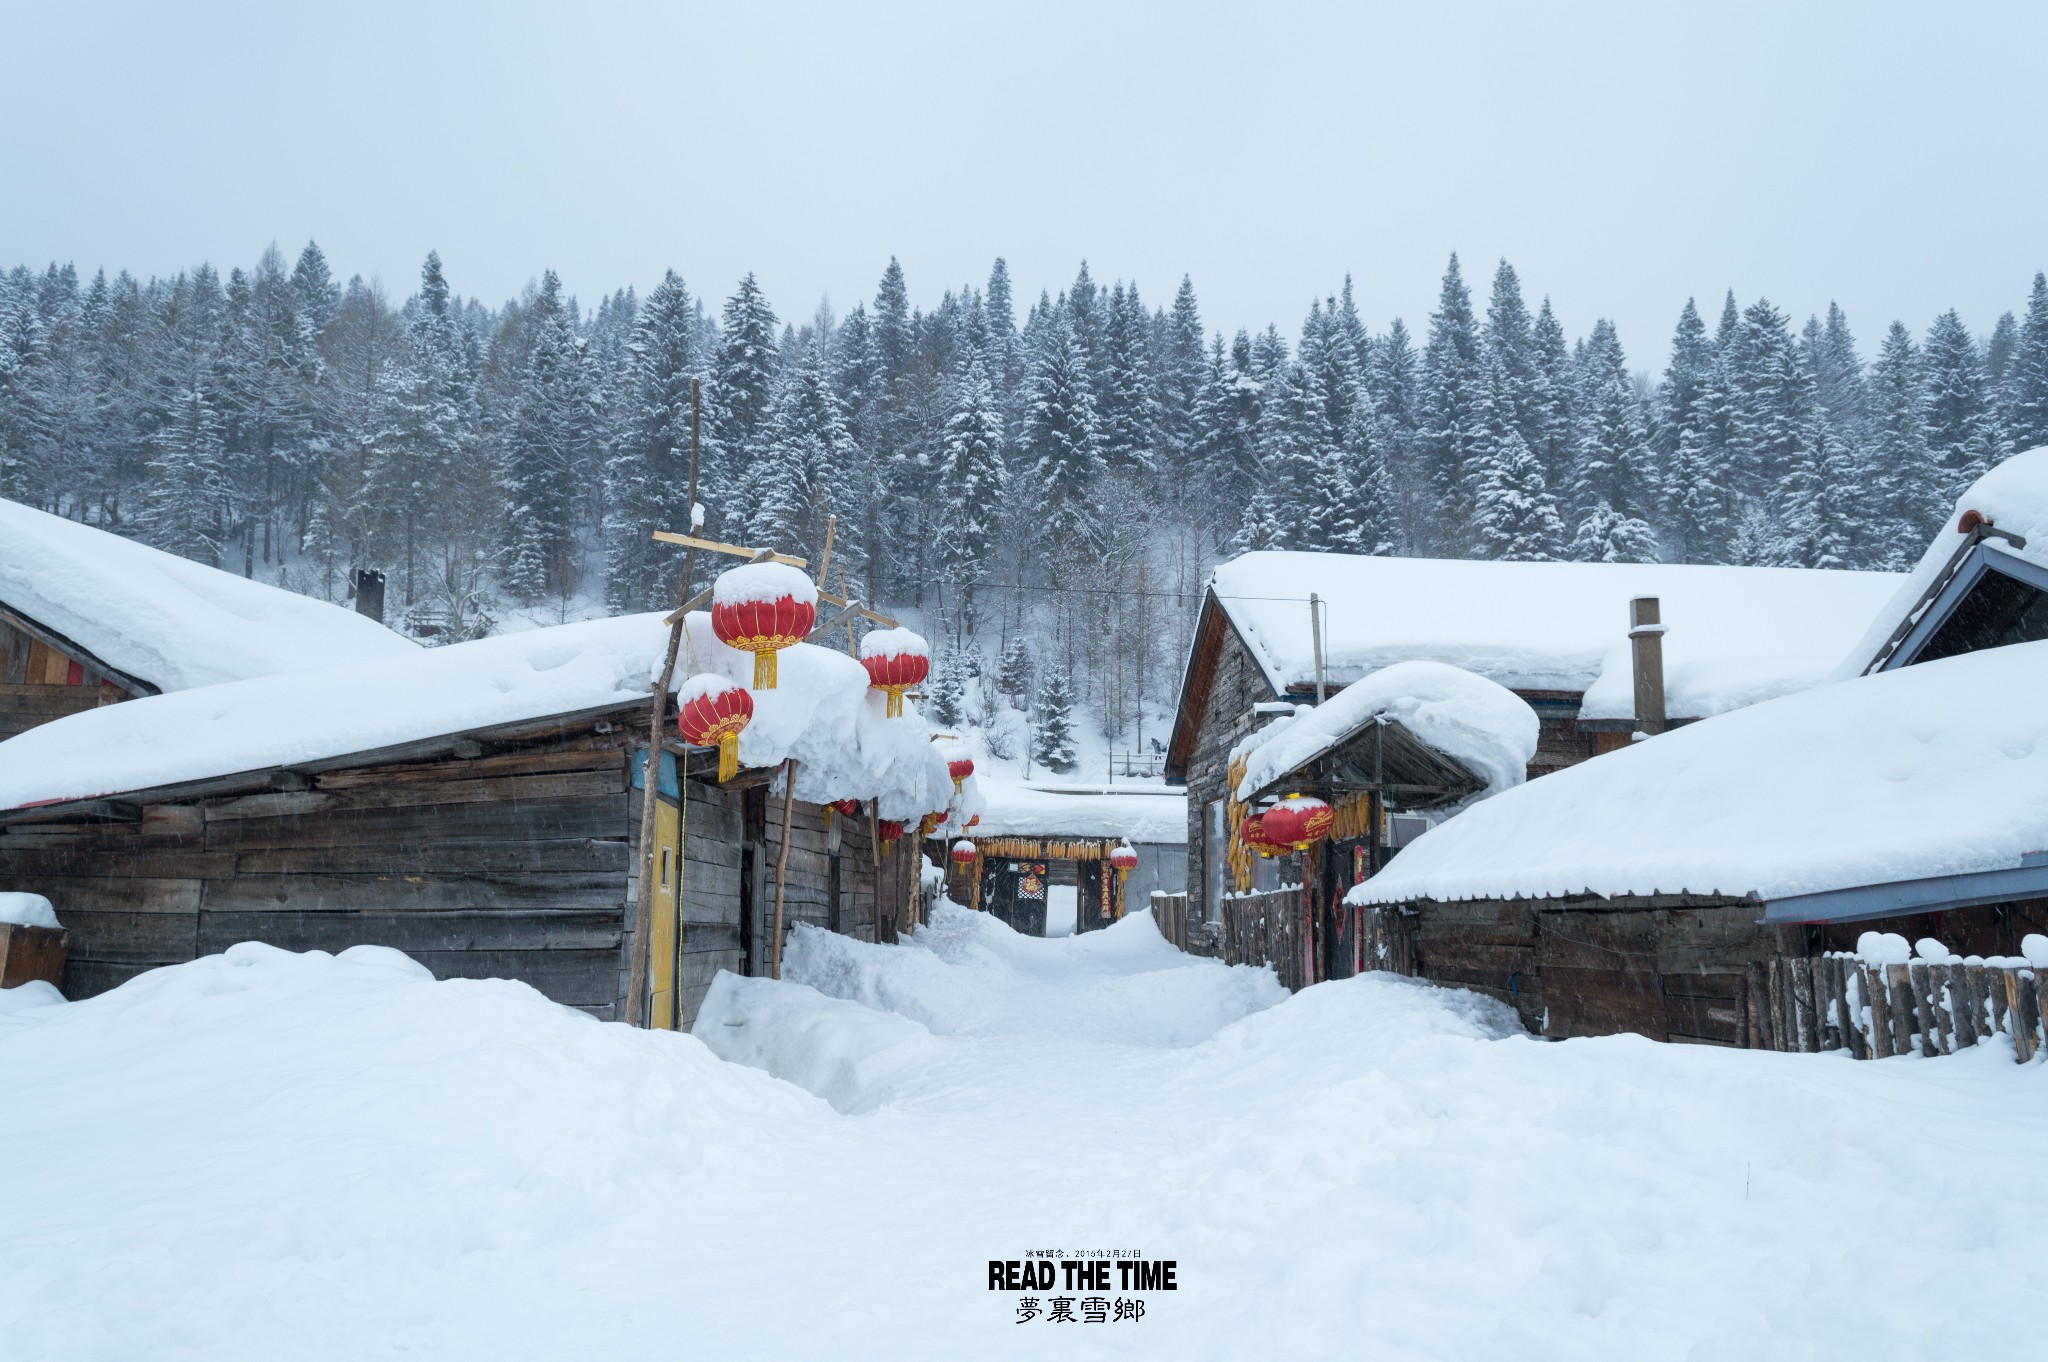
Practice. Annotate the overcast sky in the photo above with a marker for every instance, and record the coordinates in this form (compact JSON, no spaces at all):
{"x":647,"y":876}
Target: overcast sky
{"x":1623,"y":157}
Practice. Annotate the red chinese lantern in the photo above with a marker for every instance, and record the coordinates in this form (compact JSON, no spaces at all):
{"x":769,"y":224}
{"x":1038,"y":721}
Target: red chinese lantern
{"x":896,"y":660}
{"x":964,"y":852}
{"x":1252,"y":832}
{"x":973,"y":822}
{"x":1299,"y":821}
{"x":959,"y":768}
{"x":762,"y":608}
{"x":891,"y":829}
{"x":711,"y":712}
{"x":1124,"y":858}
{"x":930,"y":824}
{"x":847,"y":807}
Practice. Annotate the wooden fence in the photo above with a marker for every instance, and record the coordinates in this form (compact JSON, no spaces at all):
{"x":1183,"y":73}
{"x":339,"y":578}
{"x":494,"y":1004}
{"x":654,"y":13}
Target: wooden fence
{"x":1170,"y":915}
{"x":1839,"y":1001}
{"x":1269,"y":928}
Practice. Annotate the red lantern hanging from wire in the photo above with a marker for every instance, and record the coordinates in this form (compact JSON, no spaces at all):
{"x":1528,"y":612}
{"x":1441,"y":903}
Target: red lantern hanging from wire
{"x":847,"y":807}
{"x":1299,"y":821}
{"x":964,"y":852}
{"x":1252,"y":832}
{"x":890,"y":829}
{"x":711,"y":712}
{"x":896,"y":660}
{"x":1125,"y":859}
{"x":762,"y":608}
{"x":959,"y":767}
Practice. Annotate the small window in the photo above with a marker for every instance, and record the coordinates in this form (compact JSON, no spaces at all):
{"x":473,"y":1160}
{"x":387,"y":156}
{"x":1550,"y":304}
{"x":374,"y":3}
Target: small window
{"x":668,"y":867}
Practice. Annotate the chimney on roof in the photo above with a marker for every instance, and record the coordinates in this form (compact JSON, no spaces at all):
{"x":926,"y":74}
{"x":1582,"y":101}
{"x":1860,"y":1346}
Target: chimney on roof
{"x":369,"y":585}
{"x":1646,"y":639}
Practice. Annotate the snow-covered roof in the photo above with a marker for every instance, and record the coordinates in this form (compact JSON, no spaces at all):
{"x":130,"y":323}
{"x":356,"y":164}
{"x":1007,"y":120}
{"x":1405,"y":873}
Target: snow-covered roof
{"x":822,"y":713}
{"x":1934,"y":770}
{"x":167,"y":620}
{"x":1479,"y":723}
{"x":2014,"y":497}
{"x":1734,"y":635}
{"x":1011,"y":809}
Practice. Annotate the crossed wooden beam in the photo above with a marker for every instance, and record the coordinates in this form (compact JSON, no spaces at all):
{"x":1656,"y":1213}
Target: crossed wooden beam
{"x":849,"y":609}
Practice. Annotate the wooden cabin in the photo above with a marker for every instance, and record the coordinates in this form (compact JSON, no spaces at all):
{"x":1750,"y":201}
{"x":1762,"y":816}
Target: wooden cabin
{"x":491,"y":830}
{"x":89,"y":618}
{"x":1555,"y":634}
{"x":1036,"y":839}
{"x":1713,"y":884}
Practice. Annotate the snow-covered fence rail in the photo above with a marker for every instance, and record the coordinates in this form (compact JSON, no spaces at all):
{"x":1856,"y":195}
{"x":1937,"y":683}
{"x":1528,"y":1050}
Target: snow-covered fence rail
{"x":1268,"y":928}
{"x":1876,"y":1010}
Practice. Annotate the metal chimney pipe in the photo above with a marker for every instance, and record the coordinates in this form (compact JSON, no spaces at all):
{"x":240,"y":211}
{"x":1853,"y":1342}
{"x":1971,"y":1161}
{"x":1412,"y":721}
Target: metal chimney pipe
{"x":1646,"y":639}
{"x":369,"y":586}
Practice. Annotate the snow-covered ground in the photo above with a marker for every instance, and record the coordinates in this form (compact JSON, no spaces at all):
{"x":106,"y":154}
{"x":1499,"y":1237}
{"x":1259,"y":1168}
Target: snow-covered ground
{"x":265,"y":1155}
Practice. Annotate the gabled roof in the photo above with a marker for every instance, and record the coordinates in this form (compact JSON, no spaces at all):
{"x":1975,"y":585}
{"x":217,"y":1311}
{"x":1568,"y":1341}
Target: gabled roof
{"x":822,"y":713}
{"x":1982,"y":582}
{"x":164,"y":621}
{"x":1734,"y":635}
{"x":1932,"y":772}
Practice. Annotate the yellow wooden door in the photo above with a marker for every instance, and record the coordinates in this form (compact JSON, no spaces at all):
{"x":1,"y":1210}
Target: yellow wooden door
{"x":661,"y":1009}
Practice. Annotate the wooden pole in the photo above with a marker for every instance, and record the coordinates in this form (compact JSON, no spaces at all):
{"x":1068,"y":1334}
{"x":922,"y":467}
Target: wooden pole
{"x":1646,"y":636}
{"x":1315,"y":631}
{"x":650,"y":794}
{"x":782,"y":862}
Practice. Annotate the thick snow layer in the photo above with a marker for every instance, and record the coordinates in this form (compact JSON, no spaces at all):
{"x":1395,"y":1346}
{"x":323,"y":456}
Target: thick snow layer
{"x":1935,"y":769}
{"x":763,"y":582}
{"x":27,"y":910}
{"x":262,"y":1156}
{"x":1479,"y":723}
{"x":2015,"y":497}
{"x":897,"y":642}
{"x":1735,"y":635}
{"x":1014,"y":809}
{"x":821,"y":713}
{"x":167,"y":620}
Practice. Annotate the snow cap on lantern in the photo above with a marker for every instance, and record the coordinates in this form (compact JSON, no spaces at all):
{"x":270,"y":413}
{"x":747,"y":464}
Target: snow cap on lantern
{"x":896,"y":659}
{"x":1298,"y":821}
{"x":762,"y":608}
{"x":964,"y":852}
{"x":710,"y":712}
{"x":959,"y":765}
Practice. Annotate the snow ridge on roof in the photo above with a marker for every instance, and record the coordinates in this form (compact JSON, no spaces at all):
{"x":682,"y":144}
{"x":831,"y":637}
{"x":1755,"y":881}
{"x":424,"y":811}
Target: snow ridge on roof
{"x":1477,"y":722}
{"x":822,"y":713}
{"x":1935,"y":769}
{"x":1144,"y":814}
{"x":167,"y":620}
{"x":1735,"y":635}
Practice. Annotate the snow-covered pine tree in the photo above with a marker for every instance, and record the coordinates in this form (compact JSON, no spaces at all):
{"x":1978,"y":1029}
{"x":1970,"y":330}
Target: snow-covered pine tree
{"x":944,"y":698}
{"x":1130,"y":414}
{"x":1061,"y":441}
{"x":1369,"y":520}
{"x":647,"y":481}
{"x":539,"y":463}
{"x":2026,"y":380}
{"x":1768,"y":395}
{"x":1612,"y":475}
{"x":1961,"y":438}
{"x":1549,"y":412}
{"x":1052,"y":734}
{"x":1014,"y":673}
{"x":314,"y":289}
{"x":1182,"y":372}
{"x":808,"y":468}
{"x":184,"y":512}
{"x":1514,"y":515}
{"x":1448,"y":433}
{"x":1509,"y":334}
{"x":744,"y":372}
{"x":1821,"y":512}
{"x":1903,"y":487}
{"x":972,"y":485}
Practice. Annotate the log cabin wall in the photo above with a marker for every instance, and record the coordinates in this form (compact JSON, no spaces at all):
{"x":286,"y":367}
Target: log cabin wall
{"x":509,"y":864}
{"x":1232,"y":684}
{"x":40,"y":681}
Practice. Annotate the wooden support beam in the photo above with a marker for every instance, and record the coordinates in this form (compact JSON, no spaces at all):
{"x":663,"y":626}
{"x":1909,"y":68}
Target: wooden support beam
{"x":735,"y":550}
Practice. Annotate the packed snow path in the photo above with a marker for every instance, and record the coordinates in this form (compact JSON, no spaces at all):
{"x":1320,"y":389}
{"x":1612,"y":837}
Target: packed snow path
{"x":264,"y":1155}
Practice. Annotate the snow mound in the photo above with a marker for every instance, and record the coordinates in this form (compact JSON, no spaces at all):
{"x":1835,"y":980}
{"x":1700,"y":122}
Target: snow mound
{"x":34,"y":993}
{"x":850,"y":1055}
{"x":167,"y":620}
{"x":27,"y":910}
{"x":751,"y":583}
{"x":1477,"y":722}
{"x":897,"y":642}
{"x":1935,"y":769}
{"x":1037,"y":810}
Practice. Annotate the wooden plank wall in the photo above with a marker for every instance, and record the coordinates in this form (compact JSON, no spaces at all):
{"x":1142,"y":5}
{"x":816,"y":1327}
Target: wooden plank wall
{"x":508,"y":865}
{"x":731,"y":840}
{"x":39,"y":683}
{"x":1235,"y":685}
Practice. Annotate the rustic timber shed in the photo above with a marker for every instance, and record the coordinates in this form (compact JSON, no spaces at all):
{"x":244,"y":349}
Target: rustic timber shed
{"x":89,"y":618}
{"x":1555,"y":634}
{"x":1657,"y":889}
{"x":1034,"y":836}
{"x":476,"y":806}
